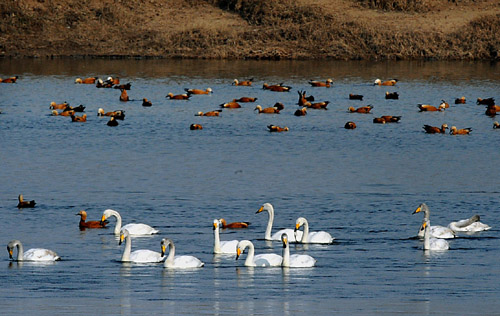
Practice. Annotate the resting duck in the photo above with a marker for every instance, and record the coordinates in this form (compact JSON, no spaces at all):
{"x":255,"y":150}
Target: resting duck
{"x":198,"y":91}
{"x":233,"y":225}
{"x":460,"y":100}
{"x":275,"y":128}
{"x":488,"y":101}
{"x":350,"y":125}
{"x":363,"y":109}
{"x":25,"y":204}
{"x":435,"y":130}
{"x":60,"y":106}
{"x":9,"y":80}
{"x":90,"y":224}
{"x":379,"y":120}
{"x":146,"y":102}
{"x":318,"y":105}
{"x":355,"y":97}
{"x":82,"y":118}
{"x":277,"y":87}
{"x":462,"y":131}
{"x":301,"y":112}
{"x":269,"y":110}
{"x":391,"y":118}
{"x":326,"y":84}
{"x":195,"y":127}
{"x":211,"y":113}
{"x":230,"y":105}
{"x":245,"y":99}
{"x":63,"y":113}
{"x":379,"y":82}
{"x":184,"y":96}
{"x":391,"y":95}
{"x":90,"y":80}
{"x":112,"y":121}
{"x":430,"y":108}
{"x":119,"y":114}
{"x":242,"y":83}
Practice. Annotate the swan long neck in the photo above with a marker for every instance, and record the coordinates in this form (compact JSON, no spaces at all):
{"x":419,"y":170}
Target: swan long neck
{"x":20,"y":250}
{"x":251,"y":253}
{"x":305,"y":234}
{"x":118,"y":225}
{"x":171,"y":254}
{"x":269,"y":223}
{"x":216,"y":239}
{"x":127,"y":249}
{"x":286,"y":255}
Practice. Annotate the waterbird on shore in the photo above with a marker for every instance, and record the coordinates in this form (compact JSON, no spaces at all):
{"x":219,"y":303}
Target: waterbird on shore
{"x":25,"y":204}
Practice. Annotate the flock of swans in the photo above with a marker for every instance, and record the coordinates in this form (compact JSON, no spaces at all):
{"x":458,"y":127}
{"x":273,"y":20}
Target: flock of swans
{"x":434,"y":239}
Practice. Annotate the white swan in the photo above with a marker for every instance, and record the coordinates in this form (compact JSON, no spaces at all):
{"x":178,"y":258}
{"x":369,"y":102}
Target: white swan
{"x":320,"y":237}
{"x":261,"y":260}
{"x":295,"y":261}
{"x":435,"y":231}
{"x":138,"y":256}
{"x":433,"y":243}
{"x":133,"y":229}
{"x":179,"y":262}
{"x":469,"y":225}
{"x":228,"y":246}
{"x":34,"y":254}
{"x":277,"y":236}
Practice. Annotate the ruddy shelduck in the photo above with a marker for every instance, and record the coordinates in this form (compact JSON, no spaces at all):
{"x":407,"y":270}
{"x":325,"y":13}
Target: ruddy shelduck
{"x":124,"y":96}
{"x":247,"y":82}
{"x":276,"y":88}
{"x":363,"y":109}
{"x":435,"y":130}
{"x":462,"y":131}
{"x":350,"y":125}
{"x":198,"y":91}
{"x":431,"y":108}
{"x":25,"y":204}
{"x":184,"y":96}
{"x":146,"y":102}
{"x":460,"y":100}
{"x":90,"y":80}
{"x":245,"y":99}
{"x":195,"y":127}
{"x":301,"y":112}
{"x":211,"y":113}
{"x":391,"y":82}
{"x":82,"y":118}
{"x":316,"y":83}
{"x":355,"y":97}
{"x":278,"y":129}
{"x":233,"y":225}
{"x":90,"y":224}
{"x":230,"y":105}
{"x":269,"y":110}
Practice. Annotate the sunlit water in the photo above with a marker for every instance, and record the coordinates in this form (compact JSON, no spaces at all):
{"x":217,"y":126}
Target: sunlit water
{"x":360,"y":185}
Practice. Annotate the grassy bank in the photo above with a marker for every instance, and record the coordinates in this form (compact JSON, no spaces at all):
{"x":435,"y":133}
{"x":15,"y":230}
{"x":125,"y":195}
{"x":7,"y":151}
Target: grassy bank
{"x":237,"y":29}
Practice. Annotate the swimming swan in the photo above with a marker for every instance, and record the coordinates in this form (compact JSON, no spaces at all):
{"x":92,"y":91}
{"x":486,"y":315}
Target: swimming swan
{"x":34,"y":254}
{"x":295,"y":261}
{"x":435,"y":231}
{"x":138,"y":256}
{"x":179,"y":262}
{"x":469,"y":225}
{"x":320,"y":237}
{"x":433,"y":243}
{"x":133,"y":229}
{"x":228,"y":246}
{"x":261,"y":260}
{"x":277,"y":236}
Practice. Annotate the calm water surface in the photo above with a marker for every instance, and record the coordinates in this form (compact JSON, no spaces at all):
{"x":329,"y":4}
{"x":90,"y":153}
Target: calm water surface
{"x":360,"y":185}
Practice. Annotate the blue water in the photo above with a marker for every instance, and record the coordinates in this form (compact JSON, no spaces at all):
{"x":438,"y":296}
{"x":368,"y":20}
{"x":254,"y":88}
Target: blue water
{"x":360,"y":185}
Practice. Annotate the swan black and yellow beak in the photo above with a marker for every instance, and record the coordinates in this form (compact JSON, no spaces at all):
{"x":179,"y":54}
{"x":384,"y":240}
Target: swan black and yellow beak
{"x":163,"y":248}
{"x":417,"y":210}
{"x":10,"y":253}
{"x":103,"y":219}
{"x":260,"y":209}
{"x":122,"y":237}
{"x":297,"y":226}
{"x":238,"y":253}
{"x":424,"y":225}
{"x":215,"y":226}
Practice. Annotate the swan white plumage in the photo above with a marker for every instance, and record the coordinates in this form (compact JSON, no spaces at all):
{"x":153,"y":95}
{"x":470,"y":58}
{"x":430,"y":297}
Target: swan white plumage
{"x":228,"y":246}
{"x":133,"y":229}
{"x":179,"y":262}
{"x":34,"y":254}
{"x":320,"y":237}
{"x":137,"y":256}
{"x":431,"y":243}
{"x":277,"y":236}
{"x":469,"y":225}
{"x":435,"y":231}
{"x":295,"y":260}
{"x":260,"y":260}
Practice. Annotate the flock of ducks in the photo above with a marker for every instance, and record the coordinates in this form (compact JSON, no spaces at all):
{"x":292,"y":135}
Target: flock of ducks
{"x":434,"y":239}
{"x":304,"y":102}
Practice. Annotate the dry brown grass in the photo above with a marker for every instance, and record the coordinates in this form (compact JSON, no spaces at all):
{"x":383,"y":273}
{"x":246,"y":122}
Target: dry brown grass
{"x":278,"y":29}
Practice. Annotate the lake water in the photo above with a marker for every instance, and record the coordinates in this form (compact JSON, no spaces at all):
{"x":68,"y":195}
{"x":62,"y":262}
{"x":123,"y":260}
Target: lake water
{"x":360,"y":185}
